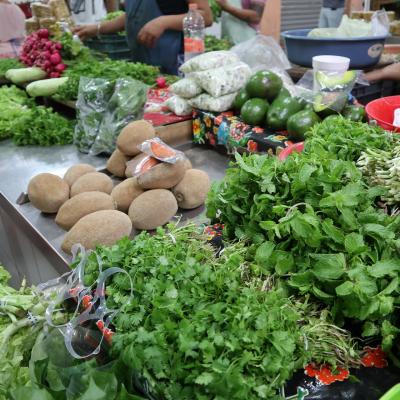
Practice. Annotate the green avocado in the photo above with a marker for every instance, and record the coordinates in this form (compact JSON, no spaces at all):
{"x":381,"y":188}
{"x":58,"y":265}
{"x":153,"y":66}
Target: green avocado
{"x":264,"y":85}
{"x":240,"y":99}
{"x":329,"y":103}
{"x":280,"y":111}
{"x":283,"y":93}
{"x":335,"y":81}
{"x":254,"y":111}
{"x":334,"y":118}
{"x":299,"y":123}
{"x":354,"y":113}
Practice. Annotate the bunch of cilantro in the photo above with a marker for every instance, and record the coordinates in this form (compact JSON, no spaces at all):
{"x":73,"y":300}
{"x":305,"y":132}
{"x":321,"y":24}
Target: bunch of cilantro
{"x":315,"y":226}
{"x":196,"y":327}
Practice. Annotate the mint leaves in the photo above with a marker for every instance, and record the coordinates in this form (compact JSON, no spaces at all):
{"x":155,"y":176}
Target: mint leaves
{"x":315,"y":223}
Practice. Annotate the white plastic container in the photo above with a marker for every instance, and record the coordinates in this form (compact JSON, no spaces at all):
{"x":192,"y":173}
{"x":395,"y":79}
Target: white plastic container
{"x":329,"y":66}
{"x":331,"y":63}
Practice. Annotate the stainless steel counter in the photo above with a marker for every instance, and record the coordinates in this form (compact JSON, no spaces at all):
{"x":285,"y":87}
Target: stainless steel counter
{"x":29,"y":240}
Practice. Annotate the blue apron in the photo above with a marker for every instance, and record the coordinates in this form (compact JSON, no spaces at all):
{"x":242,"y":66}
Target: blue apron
{"x":166,"y":51}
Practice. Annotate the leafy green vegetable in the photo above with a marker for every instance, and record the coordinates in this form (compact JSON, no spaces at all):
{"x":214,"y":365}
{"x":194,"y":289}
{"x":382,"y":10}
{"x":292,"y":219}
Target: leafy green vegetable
{"x":9,"y":63}
{"x":108,"y":69}
{"x":201,"y":327}
{"x":21,"y":320}
{"x":28,"y":124}
{"x":14,"y":103}
{"x":315,"y":225}
{"x":43,"y":127}
{"x":212,"y":43}
{"x":216,"y":9}
{"x":113,"y":15}
{"x":346,"y":140}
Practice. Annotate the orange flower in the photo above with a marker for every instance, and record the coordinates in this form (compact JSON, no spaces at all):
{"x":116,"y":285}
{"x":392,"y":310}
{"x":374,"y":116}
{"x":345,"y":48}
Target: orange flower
{"x":196,"y":127}
{"x":252,"y":146}
{"x":374,"y":357}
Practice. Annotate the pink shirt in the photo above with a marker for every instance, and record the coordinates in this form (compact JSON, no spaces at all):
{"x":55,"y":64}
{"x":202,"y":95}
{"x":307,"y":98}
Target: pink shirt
{"x":12,"y":22}
{"x":257,"y":6}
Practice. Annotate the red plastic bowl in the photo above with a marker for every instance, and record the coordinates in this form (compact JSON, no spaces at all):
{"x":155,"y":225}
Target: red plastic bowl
{"x":293,"y":148}
{"x":382,"y":111}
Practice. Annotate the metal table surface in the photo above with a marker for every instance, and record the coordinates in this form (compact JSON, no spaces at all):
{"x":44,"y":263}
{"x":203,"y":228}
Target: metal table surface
{"x":17,"y":166}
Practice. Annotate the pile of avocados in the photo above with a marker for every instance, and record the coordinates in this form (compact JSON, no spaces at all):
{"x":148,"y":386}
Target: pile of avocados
{"x":265,"y":102}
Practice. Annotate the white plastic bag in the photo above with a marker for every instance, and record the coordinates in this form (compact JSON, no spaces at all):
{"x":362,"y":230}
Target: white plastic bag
{"x":210,"y":60}
{"x":210,"y":103}
{"x":262,"y":52}
{"x":186,"y":88}
{"x":224,"y":80}
{"x":179,"y":106}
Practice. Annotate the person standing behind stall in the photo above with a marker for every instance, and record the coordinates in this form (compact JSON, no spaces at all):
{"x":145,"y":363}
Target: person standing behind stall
{"x":91,"y":11}
{"x":154,"y":29}
{"x":241,"y":20}
{"x":332,"y":11}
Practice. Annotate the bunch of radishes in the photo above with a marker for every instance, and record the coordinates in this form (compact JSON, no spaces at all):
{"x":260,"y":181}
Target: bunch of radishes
{"x":39,"y":51}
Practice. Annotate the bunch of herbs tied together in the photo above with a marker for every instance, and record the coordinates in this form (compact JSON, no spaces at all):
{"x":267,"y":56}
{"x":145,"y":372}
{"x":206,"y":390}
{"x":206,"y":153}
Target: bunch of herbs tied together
{"x":315,"y":226}
{"x":201,"y":327}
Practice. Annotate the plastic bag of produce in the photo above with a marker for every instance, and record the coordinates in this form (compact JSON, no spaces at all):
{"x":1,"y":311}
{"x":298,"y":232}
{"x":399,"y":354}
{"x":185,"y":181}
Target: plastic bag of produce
{"x":179,"y":106}
{"x":262,"y":52}
{"x":159,"y":150}
{"x":210,"y":103}
{"x":186,"y":88}
{"x":213,"y":59}
{"x":93,"y":97}
{"x":224,"y":80}
{"x":125,"y":105}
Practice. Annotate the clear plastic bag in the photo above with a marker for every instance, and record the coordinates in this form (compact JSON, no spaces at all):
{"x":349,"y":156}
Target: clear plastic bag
{"x":186,"y":88}
{"x":179,"y":106}
{"x":224,"y":80}
{"x":210,"y":60}
{"x":328,"y":89}
{"x":93,"y":97}
{"x":209,"y":103}
{"x":159,"y":150}
{"x":104,"y":108}
{"x":262,"y":52}
{"x":353,"y":28}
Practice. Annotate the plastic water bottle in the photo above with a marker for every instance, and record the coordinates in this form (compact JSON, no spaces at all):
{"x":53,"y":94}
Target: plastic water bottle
{"x":193,"y":30}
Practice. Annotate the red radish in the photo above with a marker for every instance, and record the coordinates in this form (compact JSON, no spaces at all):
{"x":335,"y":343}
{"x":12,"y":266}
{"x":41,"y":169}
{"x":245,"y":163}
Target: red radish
{"x":161,"y":82}
{"x":55,"y":58}
{"x":43,"y":33}
{"x":58,"y":46}
{"x":54,"y":74}
{"x":60,"y":67}
{"x":49,"y":44}
{"x":47,"y":64}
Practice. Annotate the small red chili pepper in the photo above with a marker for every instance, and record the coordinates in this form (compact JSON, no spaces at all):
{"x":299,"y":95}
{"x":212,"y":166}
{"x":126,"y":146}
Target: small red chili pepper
{"x":325,"y":375}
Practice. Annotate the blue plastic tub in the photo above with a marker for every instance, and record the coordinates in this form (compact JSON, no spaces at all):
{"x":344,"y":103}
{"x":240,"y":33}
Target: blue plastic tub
{"x":363,"y":52}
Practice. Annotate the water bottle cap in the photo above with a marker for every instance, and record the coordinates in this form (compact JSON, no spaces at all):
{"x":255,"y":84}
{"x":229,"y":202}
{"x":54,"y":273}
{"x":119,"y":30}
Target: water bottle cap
{"x":193,"y":6}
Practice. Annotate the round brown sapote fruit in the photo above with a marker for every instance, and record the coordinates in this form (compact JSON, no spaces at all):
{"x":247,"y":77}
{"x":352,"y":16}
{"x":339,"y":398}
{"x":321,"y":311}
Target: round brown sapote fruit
{"x":48,"y":192}
{"x":83,"y":204}
{"x":134,"y":134}
{"x":125,"y":192}
{"x":104,"y":227}
{"x":76,"y":171}
{"x":152,"y":209}
{"x":116,"y":164}
{"x":191,"y":191}
{"x":92,"y":182}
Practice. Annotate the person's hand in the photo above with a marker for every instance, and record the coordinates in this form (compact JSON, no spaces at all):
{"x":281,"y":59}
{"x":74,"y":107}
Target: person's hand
{"x":86,"y":31}
{"x":222,"y":3}
{"x":151,"y":32}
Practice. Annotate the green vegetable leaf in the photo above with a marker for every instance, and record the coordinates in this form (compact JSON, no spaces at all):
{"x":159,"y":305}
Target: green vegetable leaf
{"x":328,"y":266}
